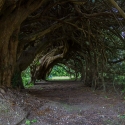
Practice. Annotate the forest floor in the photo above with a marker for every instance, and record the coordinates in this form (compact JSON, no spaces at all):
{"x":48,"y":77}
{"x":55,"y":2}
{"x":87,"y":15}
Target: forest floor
{"x":61,"y":103}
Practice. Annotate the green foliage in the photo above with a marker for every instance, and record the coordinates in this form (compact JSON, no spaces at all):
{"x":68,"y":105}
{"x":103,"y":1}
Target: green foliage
{"x":26,"y":78}
{"x":62,"y":72}
{"x":59,"y":71}
{"x":29,"y":122}
{"x":29,"y":85}
{"x":116,"y":74}
{"x":122,"y":116}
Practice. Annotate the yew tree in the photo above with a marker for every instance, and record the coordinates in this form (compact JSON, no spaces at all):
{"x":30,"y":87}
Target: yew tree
{"x":12,"y":14}
{"x":42,"y":33}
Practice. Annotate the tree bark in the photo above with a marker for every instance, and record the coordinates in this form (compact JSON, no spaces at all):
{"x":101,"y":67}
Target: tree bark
{"x":10,"y":22}
{"x":8,"y":58}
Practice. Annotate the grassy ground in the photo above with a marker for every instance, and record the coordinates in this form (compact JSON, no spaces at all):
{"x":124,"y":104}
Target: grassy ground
{"x":60,"y":78}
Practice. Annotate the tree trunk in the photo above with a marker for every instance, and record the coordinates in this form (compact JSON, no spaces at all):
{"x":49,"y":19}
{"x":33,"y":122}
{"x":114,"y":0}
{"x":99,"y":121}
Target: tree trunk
{"x":10,"y":21}
{"x":8,"y":58}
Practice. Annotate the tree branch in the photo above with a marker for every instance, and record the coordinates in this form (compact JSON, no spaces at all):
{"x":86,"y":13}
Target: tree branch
{"x":118,"y":8}
{"x":39,"y":34}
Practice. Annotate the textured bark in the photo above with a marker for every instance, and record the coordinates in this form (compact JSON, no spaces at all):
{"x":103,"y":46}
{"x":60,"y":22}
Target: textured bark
{"x":9,"y":29}
{"x":8,"y":59}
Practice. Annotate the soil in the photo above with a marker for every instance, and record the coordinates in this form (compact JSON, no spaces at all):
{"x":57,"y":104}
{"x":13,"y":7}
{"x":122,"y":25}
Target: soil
{"x":61,"y":103}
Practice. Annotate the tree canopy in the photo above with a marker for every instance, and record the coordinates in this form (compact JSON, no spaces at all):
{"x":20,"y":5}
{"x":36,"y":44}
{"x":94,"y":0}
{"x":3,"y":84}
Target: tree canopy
{"x":85,"y":35}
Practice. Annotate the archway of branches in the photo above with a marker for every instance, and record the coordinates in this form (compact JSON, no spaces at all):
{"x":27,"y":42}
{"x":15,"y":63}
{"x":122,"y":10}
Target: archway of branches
{"x":86,"y":37}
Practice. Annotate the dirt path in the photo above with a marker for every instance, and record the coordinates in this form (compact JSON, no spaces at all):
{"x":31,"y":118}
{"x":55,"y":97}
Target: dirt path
{"x":63,"y":103}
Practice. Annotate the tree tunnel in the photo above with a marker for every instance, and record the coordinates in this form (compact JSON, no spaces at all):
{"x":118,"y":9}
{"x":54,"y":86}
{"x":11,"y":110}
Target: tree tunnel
{"x":85,"y":36}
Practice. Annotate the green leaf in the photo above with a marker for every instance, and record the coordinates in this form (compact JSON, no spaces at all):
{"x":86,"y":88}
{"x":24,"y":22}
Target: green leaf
{"x":34,"y":120}
{"x":28,"y":122}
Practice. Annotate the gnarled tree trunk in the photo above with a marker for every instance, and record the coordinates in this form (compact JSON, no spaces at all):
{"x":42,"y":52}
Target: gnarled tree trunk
{"x":11,"y":17}
{"x":8,"y":56}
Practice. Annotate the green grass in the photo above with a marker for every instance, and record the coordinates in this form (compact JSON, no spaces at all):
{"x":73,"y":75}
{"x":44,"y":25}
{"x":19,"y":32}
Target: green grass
{"x":61,"y":78}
